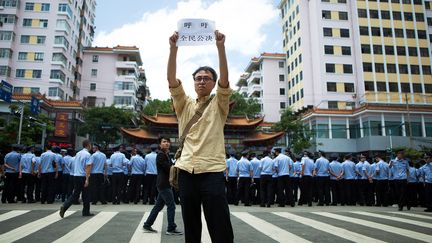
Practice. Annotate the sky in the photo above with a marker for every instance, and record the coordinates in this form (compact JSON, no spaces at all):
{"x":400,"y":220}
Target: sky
{"x":251,"y":28}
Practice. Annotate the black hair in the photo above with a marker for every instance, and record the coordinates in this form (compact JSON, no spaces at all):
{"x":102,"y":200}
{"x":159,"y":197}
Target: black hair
{"x":48,"y":146}
{"x":163,"y":137}
{"x":206,"y":69}
{"x":86,"y":143}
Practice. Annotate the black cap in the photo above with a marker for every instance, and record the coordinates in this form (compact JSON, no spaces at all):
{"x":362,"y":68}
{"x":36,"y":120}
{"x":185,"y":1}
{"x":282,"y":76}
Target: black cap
{"x":154,"y":146}
{"x":427,"y":155}
{"x":278,"y":150}
{"x":245,"y":152}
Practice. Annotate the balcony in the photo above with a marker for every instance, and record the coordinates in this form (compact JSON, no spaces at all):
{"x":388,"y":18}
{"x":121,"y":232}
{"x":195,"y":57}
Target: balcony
{"x":127,"y":78}
{"x":127,"y":65}
{"x":255,"y":77}
{"x":255,"y":88}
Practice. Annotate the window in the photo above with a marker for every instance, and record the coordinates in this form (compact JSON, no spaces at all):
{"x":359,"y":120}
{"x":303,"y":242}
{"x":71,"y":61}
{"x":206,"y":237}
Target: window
{"x":424,"y":52}
{"x":347,"y":68}
{"x":428,"y":88}
{"x":123,"y":100}
{"x":349,"y":87}
{"x":45,"y":7}
{"x":375,"y":31}
{"x":330,"y":67}
{"x":408,"y":16}
{"x":385,"y":14}
{"x":377,"y":49}
{"x":343,"y":15}
{"x":393,"y":87}
{"x":94,"y":72}
{"x":391,"y":68}
{"x":421,"y":34}
{"x":326,"y":14}
{"x":29,"y":6}
{"x":412,"y":51}
{"x":401,"y":51}
{"x":282,"y":105}
{"x":373,"y":14}
{"x":95,"y":58}
{"x":410,"y":34}
{"x":365,"y":49}
{"x":364,"y":30}
{"x":119,"y":85}
{"x":281,"y":91}
{"x":405,"y":88}
{"x":387,"y":32}
{"x":5,"y":53}
{"x":5,"y":71}
{"x":346,"y":50}
{"x":367,"y":67}
{"x":27,"y":22}
{"x":362,"y":13}
{"x":92,"y":86}
{"x":331,"y":87}
{"x":403,"y":68}
{"x":38,"y":56}
{"x":344,"y":33}
{"x":64,"y":8}
{"x":417,"y":88}
{"x":369,"y":86}
{"x":22,"y":56}
{"x":399,"y":33}
{"x":55,"y":92}
{"x":389,"y":50}
{"x":61,"y":40}
{"x":9,"y":3}
{"x":57,"y":74}
{"x":332,"y":104}
{"x":59,"y":57}
{"x":381,"y":86}
{"x":379,"y":68}
{"x":281,"y":64}
{"x":43,"y":23}
{"x":329,"y":50}
{"x":415,"y":69}
{"x":281,"y":77}
{"x":6,"y":35}
{"x":328,"y":32}
{"x":419,"y":17}
{"x":426,"y":70}
{"x":37,"y":74}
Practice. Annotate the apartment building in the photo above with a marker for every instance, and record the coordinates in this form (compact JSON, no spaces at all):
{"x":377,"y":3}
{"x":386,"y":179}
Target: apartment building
{"x":265,"y":80}
{"x":41,"y":43}
{"x":366,"y":71}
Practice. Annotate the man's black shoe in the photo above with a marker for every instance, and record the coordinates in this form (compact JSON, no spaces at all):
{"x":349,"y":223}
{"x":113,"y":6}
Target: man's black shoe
{"x":174,"y":232}
{"x":262,"y":205}
{"x":149,"y":229}
{"x":428,"y":210}
{"x":88,"y":215}
{"x":62,"y":211}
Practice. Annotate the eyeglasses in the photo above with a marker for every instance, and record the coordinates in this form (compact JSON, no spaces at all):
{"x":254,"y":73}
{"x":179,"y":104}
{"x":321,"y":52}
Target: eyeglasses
{"x":205,"y":79}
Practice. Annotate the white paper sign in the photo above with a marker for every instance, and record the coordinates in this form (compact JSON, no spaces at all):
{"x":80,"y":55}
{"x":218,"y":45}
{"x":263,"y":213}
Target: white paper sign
{"x":195,"y":32}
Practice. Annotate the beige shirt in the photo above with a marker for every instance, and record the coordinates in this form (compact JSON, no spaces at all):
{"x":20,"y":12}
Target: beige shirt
{"x":204,"y":146}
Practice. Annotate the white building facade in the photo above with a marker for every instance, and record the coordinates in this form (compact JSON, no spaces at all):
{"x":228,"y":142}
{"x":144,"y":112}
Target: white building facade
{"x":112,"y":76}
{"x":41,"y":45}
{"x":265,"y":81}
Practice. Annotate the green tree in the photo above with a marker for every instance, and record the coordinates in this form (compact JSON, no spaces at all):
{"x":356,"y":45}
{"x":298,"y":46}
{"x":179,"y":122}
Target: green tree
{"x":242,"y":106}
{"x":103,"y":123}
{"x":299,"y":135}
{"x":31,"y":133}
{"x":158,"y":106}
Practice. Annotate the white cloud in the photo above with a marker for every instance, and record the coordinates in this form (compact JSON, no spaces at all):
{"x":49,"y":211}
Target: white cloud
{"x":242,"y":21}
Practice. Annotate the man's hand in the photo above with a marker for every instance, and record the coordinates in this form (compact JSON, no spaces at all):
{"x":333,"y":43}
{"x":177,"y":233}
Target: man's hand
{"x":86,"y":183}
{"x":173,"y":40}
{"x":220,"y":39}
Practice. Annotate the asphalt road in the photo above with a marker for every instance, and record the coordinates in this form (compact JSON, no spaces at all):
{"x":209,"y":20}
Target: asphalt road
{"x":123,"y":223}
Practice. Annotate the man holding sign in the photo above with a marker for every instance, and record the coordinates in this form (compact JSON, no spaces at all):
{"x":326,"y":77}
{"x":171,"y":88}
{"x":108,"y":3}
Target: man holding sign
{"x":202,"y":159}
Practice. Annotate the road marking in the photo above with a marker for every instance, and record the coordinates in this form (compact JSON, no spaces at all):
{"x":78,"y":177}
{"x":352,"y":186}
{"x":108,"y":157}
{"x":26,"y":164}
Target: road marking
{"x":420,"y":216}
{"x":32,"y":227}
{"x":141,"y":236}
{"x":340,"y":232}
{"x":88,"y":228}
{"x":205,"y":235}
{"x":12,"y":214}
{"x":402,"y":220}
{"x":268,"y":229}
{"x":383,"y":227}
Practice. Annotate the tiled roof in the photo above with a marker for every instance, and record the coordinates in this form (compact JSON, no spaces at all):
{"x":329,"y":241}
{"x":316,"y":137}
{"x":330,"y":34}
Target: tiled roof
{"x":263,"y":137}
{"x":139,"y":133}
{"x":53,"y":103}
{"x":95,"y":48}
{"x":171,"y":119}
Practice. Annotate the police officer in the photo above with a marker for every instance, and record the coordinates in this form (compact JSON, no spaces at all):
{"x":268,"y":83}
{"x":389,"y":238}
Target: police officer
{"x":59,"y":180}
{"x":306,"y":180}
{"x":37,"y":181}
{"x":335,"y":170}
{"x":48,"y":173}
{"x":67,"y":180}
{"x":382,"y":184}
{"x":26,"y":173}
{"x":369,"y":172}
{"x":361,"y":180}
{"x":11,"y":165}
{"x":426,"y":172}
{"x":295,"y":178}
{"x":255,"y":188}
{"x":231,"y":178}
{"x":266,"y":184}
{"x":282,"y":166}
{"x":348,"y":188}
{"x":150,"y":192}
{"x":138,"y":167}
{"x":322,"y":166}
{"x":117,"y":162}
{"x":98,"y":172}
{"x":401,"y":173}
{"x":245,"y":173}
{"x":82,"y":171}
{"x":411,"y":186}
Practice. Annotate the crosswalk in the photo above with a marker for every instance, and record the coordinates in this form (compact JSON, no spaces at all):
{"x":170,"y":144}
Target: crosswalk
{"x":281,"y":226}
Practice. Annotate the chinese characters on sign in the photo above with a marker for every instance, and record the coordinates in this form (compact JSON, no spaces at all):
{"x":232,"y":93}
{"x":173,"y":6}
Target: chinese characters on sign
{"x":61,"y":125}
{"x":194,"y":32}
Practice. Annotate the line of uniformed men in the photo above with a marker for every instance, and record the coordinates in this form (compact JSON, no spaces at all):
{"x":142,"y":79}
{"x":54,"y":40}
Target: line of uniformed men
{"x":277,"y":178}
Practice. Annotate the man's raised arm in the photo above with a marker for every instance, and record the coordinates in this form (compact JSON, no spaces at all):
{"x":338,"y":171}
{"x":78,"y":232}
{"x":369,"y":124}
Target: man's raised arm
{"x":172,"y":62}
{"x":223,"y":64}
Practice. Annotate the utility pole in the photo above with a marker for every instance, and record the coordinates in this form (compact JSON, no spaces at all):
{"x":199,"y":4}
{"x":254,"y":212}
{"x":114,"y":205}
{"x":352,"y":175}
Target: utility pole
{"x":409,"y":120}
{"x":20,"y":124}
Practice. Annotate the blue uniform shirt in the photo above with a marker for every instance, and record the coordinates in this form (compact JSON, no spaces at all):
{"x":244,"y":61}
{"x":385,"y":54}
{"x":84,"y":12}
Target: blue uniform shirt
{"x":400,"y":169}
{"x":59,"y":159}
{"x":231,"y":165}
{"x":98,"y":161}
{"x":426,"y":172}
{"x":267,"y":166}
{"x":117,"y":161}
{"x":373,"y":170}
{"x":412,"y":178}
{"x":150,"y":160}
{"x":26,"y":162}
{"x":109,"y":169}
{"x":308,"y":165}
{"x":322,"y":166}
{"x":138,"y":165}
{"x":282,"y":165}
{"x":297,"y":169}
{"x":47,"y":160}
{"x":382,"y":170}
{"x":67,"y":163}
{"x":12,"y":159}
{"x":336,"y":168}
{"x":37,"y":163}
{"x":367,"y":171}
{"x":82,"y":159}
{"x":256,"y":167}
{"x":359,"y":171}
{"x":244,"y":167}
{"x":348,"y":168}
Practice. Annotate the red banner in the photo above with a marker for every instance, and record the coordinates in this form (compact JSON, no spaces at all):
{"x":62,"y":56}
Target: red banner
{"x":61,"y":125}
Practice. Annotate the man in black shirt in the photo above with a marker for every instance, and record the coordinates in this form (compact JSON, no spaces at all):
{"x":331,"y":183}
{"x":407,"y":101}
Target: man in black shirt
{"x":165,"y":196}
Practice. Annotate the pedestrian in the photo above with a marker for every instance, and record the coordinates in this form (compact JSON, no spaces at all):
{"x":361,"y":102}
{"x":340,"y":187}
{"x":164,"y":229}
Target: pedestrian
{"x":138,"y":167}
{"x":295,"y":178}
{"x":165,"y":194}
{"x":82,"y":170}
{"x":368,"y":171}
{"x":149,"y":191}
{"x":306,"y":180}
{"x":245,"y":174}
{"x":335,"y":170}
{"x":202,"y":160}
{"x":97,"y":175}
{"x":266,"y":185}
{"x":322,"y":168}
{"x":117,"y":162}
{"x":26,"y":173}
{"x":348,"y":188}
{"x":255,"y":187}
{"x":48,"y":172}
{"x":231,"y":178}
{"x":59,"y":179}
{"x":11,"y":165}
{"x":400,"y":168}
{"x":282,"y":166}
{"x":68,"y":172}
{"x":382,"y":184}
{"x":426,"y":172}
{"x":37,"y":181}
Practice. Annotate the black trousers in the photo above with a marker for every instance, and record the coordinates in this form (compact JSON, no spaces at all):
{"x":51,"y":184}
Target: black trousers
{"x":65,"y":187}
{"x":37,"y":191}
{"x":361,"y":191}
{"x":254,"y":191}
{"x":28,"y":185}
{"x":117,"y":183}
{"x":59,"y":185}
{"x":412,"y":198}
{"x":323,"y":189}
{"x":336,"y":189}
{"x":370,"y":193}
{"x":284,"y":193}
{"x":232,"y":190}
{"x":79,"y":188}
{"x":428,"y":195}
{"x":243,"y":190}
{"x":135,"y":187}
{"x":306,"y":191}
{"x":401,"y":192}
{"x":294,"y":187}
{"x":348,"y":192}
{"x":125,"y":188}
{"x":97,"y":188}
{"x":207,"y":189}
{"x":382,"y":189}
{"x":150,"y":192}
{"x":47,"y":187}
{"x":266,"y":188}
{"x":11,"y":187}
